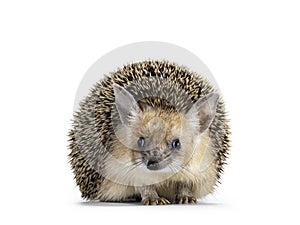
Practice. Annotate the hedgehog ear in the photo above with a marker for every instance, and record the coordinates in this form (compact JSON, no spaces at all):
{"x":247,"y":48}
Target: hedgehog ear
{"x":204,"y":110}
{"x":125,"y":103}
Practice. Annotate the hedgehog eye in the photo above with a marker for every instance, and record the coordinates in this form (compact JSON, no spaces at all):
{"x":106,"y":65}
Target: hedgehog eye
{"x":141,"y":142}
{"x":176,"y":144}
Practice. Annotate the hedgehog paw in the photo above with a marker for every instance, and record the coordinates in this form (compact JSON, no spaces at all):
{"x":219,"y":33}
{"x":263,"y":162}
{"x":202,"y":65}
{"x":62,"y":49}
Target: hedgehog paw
{"x":155,"y":201}
{"x":185,"y":200}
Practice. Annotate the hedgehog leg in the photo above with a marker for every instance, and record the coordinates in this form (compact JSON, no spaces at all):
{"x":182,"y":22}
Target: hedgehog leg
{"x":183,"y":194}
{"x":150,"y":196}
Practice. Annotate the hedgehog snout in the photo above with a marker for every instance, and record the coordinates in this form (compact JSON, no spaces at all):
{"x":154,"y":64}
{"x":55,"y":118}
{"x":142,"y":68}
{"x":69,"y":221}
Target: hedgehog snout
{"x":155,"y":159}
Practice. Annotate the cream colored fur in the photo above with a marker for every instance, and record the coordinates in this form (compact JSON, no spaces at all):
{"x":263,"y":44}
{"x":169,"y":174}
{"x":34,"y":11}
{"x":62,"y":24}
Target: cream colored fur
{"x":122,"y":180}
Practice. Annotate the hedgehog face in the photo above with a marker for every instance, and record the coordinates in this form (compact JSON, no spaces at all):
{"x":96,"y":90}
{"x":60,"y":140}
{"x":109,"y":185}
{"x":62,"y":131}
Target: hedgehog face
{"x":162,"y":139}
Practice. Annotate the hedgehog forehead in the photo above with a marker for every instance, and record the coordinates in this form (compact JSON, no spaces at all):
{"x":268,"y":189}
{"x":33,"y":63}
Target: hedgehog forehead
{"x":158,"y":122}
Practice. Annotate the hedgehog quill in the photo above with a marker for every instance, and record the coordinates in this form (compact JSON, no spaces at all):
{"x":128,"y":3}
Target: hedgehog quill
{"x":152,"y":131}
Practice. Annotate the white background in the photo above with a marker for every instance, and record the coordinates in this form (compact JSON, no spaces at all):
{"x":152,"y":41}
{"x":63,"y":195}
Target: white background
{"x":252,"y":49}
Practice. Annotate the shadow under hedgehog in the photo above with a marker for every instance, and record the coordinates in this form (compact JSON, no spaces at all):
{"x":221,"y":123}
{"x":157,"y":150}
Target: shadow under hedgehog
{"x":153,"y":131}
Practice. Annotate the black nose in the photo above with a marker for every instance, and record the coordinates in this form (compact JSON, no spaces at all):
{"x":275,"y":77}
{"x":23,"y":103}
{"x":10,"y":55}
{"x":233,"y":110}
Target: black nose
{"x":152,"y":164}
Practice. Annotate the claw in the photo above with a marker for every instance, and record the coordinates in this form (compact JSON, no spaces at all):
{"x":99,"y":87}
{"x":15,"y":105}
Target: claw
{"x":165,"y":201}
{"x":186,"y":200}
{"x":145,"y":201}
{"x":193,"y":200}
{"x":179,"y":201}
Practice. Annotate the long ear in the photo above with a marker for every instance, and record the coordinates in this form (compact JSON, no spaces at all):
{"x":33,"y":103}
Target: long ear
{"x":204,"y":110}
{"x":125,"y":103}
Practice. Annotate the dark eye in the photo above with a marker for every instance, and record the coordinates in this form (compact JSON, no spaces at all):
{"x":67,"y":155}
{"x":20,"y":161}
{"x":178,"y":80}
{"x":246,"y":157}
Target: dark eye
{"x":141,"y":142}
{"x":176,"y":144}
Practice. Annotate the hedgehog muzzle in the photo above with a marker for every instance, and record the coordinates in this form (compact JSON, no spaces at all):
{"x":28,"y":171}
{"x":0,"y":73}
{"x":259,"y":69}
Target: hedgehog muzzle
{"x":155,"y":159}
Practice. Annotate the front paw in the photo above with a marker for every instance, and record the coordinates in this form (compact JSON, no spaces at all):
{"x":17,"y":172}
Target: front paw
{"x":155,"y":201}
{"x":185,"y":200}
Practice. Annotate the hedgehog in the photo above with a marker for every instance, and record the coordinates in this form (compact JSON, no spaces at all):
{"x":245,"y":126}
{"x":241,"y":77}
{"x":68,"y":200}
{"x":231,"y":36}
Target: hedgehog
{"x":152,"y":131}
